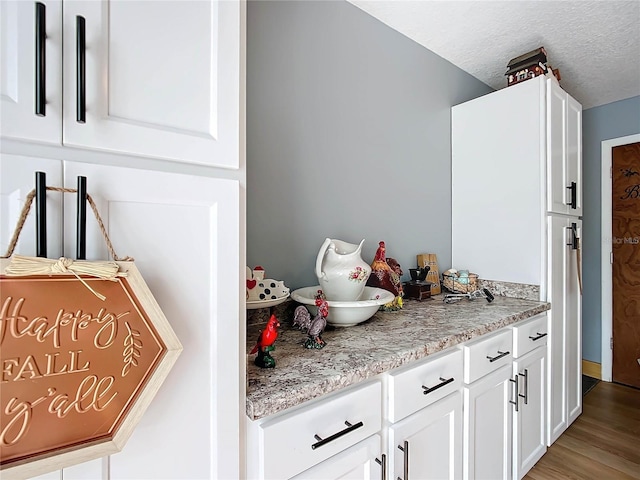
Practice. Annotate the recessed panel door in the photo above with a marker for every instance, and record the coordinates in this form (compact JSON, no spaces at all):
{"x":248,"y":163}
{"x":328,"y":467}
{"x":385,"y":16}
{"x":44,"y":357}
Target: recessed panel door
{"x":17,"y":179}
{"x":183,"y":232}
{"x":31,"y":70}
{"x":161,"y":79}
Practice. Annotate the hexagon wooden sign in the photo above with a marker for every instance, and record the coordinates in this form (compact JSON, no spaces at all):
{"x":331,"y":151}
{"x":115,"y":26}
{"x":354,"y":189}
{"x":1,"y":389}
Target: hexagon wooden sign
{"x":76,"y":372}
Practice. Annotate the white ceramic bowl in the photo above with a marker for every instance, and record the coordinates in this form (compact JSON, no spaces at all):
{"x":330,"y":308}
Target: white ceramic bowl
{"x":346,"y":314}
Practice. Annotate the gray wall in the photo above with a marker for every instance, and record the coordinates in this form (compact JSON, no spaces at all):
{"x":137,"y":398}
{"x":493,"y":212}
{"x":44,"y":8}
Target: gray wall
{"x":348,"y":137}
{"x":613,"y":120}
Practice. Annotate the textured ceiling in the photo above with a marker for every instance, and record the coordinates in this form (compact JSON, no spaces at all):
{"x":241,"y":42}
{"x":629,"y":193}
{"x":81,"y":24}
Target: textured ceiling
{"x":594,"y":44}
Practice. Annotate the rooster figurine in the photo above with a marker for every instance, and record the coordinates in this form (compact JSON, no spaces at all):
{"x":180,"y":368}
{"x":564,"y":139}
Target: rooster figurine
{"x":264,"y":344}
{"x":314,"y":327}
{"x":386,"y":273}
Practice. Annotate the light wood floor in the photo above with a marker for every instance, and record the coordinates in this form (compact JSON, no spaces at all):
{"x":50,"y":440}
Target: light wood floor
{"x":603,"y":443}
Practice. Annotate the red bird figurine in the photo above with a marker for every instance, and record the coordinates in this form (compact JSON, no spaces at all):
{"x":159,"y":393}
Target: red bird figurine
{"x":268,"y":336}
{"x":265,"y":343}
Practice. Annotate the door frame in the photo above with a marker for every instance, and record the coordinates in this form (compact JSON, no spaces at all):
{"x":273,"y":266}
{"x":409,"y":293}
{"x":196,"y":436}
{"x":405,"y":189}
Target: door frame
{"x":606,"y":357}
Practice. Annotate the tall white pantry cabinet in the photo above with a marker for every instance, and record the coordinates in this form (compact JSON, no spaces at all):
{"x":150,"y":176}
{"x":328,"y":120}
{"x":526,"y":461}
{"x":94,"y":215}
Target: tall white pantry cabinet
{"x":146,"y":100}
{"x":516,"y":207}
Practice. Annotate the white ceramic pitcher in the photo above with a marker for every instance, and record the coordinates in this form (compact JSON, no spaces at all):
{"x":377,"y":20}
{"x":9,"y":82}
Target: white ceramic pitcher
{"x":341,"y":272}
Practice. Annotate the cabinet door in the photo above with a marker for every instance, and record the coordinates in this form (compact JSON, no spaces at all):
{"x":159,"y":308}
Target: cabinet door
{"x":557,"y":273}
{"x":162,"y":79}
{"x":17,"y":179}
{"x":18,"y":118}
{"x":355,"y":463}
{"x":434,"y":440}
{"x":488,"y":426}
{"x":564,"y":152}
{"x":529,"y":439}
{"x":564,"y":347}
{"x":573,"y":329}
{"x":183,"y":232}
{"x":574,"y":153}
{"x":557,"y":179}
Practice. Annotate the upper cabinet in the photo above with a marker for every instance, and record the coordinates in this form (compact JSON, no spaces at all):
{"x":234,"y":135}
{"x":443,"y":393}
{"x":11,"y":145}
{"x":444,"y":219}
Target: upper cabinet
{"x":516,"y":156}
{"x":31,"y":70}
{"x":564,"y":152}
{"x":137,"y":78}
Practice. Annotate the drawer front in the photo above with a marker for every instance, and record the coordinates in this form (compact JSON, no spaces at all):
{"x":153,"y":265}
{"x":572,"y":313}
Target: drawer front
{"x":411,"y":389}
{"x":290,"y":443}
{"x":487,"y":354}
{"x":529,"y":334}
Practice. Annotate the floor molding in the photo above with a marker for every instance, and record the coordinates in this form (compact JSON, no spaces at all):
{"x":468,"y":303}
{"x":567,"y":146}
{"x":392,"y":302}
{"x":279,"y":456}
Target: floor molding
{"x":591,"y":369}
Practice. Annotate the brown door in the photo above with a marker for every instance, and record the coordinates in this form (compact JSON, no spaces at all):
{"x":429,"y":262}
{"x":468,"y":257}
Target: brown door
{"x":626,"y":264}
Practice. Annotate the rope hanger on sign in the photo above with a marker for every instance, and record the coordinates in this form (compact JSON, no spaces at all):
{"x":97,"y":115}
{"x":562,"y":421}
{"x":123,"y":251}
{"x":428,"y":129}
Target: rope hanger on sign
{"x":24,"y":266}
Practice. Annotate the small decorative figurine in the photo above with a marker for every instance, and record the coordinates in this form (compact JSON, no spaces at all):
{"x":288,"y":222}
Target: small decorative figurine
{"x":264,"y":344}
{"x":314,"y":327}
{"x":386,"y":273}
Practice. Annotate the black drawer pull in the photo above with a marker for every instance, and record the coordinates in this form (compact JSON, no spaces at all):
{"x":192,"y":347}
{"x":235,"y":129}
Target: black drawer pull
{"x":573,"y":189}
{"x":442,"y":384}
{"x":516,"y":395}
{"x":498,"y":357}
{"x":324,"y":441}
{"x":404,"y":448}
{"x":81,"y":78}
{"x":41,"y":214}
{"x":383,"y":464}
{"x":538,"y":336}
{"x":526,"y":386}
{"x":41,"y":59}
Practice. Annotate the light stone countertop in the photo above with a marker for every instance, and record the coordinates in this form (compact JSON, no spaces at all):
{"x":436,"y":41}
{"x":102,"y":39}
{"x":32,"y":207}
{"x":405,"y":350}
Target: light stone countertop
{"x":386,"y":341}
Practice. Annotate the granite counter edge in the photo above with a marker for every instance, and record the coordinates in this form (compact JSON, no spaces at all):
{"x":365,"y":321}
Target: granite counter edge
{"x":281,"y":401}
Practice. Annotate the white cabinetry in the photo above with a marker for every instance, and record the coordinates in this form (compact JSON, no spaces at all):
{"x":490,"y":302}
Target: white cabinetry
{"x":488,"y":426}
{"x":424,"y":418}
{"x":18,"y":71}
{"x":17,"y":179}
{"x":448,"y":416}
{"x":488,"y":395}
{"x":517,"y":154}
{"x":564,"y":152}
{"x":564,"y":347}
{"x":162,"y":82}
{"x":156,"y":79}
{"x":286,"y":445}
{"x":425,"y":411}
{"x":529,"y":369}
{"x":168,"y":223}
{"x":428,"y":444}
{"x":360,"y":462}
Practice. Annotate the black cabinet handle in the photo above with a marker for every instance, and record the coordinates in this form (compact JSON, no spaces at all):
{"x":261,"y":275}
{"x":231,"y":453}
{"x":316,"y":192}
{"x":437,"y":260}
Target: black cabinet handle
{"x":81,"y":219}
{"x":41,"y":60}
{"x":573,"y":188}
{"x":41,"y":214}
{"x":80,"y":70}
{"x":442,"y":384}
{"x":404,"y":448}
{"x":498,"y":357}
{"x":538,"y":336}
{"x":526,"y":386}
{"x":323,"y":441}
{"x":516,"y":393}
{"x":383,"y":465}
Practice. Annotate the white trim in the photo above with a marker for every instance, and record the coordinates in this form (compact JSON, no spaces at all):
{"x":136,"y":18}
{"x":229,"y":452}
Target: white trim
{"x":605,"y":257}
